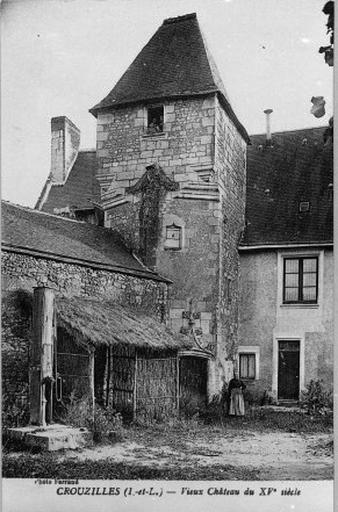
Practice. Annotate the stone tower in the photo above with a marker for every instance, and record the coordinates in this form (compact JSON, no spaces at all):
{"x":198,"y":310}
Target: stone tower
{"x":171,"y":167}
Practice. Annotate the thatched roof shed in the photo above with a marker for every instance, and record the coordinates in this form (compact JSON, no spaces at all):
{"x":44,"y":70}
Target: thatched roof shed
{"x":90,"y":321}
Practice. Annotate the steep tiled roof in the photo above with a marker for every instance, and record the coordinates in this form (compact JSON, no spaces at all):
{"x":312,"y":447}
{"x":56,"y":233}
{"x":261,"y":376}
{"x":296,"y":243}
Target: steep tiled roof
{"x":174,"y":63}
{"x":50,"y":236}
{"x":81,"y":187}
{"x":297,"y":168}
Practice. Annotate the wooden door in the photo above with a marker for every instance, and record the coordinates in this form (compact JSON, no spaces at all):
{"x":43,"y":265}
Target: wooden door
{"x":288,"y":370}
{"x":122,"y":381}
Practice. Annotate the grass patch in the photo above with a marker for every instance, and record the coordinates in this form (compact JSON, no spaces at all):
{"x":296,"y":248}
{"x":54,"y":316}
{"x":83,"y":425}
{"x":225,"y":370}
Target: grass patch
{"x":46,"y":466}
{"x":263,"y":419}
{"x":176,"y":442}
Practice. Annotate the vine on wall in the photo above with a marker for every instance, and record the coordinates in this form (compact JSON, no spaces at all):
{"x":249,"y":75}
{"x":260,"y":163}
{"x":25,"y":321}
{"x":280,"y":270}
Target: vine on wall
{"x":153,"y":187}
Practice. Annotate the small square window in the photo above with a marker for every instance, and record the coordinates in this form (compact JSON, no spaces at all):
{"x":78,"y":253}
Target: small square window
{"x":173,"y":237}
{"x":247,"y":366}
{"x":155,"y":119}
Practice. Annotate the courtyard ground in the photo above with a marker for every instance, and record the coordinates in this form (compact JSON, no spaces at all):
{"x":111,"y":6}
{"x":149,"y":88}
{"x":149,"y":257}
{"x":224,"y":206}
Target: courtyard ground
{"x":272,"y":446}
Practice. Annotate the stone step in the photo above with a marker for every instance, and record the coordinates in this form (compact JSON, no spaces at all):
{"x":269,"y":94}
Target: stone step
{"x":52,"y":437}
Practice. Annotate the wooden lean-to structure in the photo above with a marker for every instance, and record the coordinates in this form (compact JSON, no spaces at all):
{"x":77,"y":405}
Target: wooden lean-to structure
{"x":136,"y":361}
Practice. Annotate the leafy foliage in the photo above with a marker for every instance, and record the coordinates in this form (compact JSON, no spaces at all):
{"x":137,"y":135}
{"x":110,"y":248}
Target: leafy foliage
{"x":153,"y":186}
{"x":315,"y":400}
{"x":106,"y":424}
{"x":328,"y":50}
{"x":16,"y":333}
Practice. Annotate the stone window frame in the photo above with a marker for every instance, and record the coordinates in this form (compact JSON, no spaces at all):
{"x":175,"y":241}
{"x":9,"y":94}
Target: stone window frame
{"x":249,"y":350}
{"x":170,"y":220}
{"x":148,"y":133}
{"x":178,"y":230}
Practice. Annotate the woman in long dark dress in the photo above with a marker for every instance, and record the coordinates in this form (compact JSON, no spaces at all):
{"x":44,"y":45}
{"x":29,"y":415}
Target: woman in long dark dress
{"x":236,"y":388}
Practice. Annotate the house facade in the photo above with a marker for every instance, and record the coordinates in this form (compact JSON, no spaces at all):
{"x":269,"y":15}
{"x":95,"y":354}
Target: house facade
{"x":286,"y":260}
{"x":241,"y":226}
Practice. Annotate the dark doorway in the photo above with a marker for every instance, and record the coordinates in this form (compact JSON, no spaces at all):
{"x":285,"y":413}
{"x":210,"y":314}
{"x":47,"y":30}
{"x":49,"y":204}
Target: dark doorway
{"x":288,"y":370}
{"x":193,"y":385}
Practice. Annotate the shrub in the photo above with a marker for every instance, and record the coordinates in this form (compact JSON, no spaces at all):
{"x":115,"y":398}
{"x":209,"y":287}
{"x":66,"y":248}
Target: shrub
{"x":15,"y":410}
{"x":191,"y":405}
{"x":315,"y":400}
{"x":106,"y":424}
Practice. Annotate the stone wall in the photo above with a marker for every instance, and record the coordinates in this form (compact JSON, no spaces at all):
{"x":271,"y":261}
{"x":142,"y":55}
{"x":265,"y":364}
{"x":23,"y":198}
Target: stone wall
{"x":194,"y":268}
{"x":264,"y":319}
{"x":25,"y":272}
{"x":124,"y":148}
{"x":185,"y":147}
{"x":230,"y":170}
{"x":202,"y":151}
{"x":15,"y":334}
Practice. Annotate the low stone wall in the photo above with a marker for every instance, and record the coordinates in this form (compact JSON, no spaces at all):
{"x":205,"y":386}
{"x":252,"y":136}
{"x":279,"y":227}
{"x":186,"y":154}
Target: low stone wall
{"x":20,"y":271}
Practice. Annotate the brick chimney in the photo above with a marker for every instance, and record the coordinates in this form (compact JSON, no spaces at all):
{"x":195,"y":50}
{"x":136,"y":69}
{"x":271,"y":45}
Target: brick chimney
{"x":65,"y":142}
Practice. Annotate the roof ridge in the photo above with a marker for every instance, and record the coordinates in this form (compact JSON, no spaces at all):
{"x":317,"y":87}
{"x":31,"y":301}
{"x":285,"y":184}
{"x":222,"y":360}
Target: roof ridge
{"x":40,"y":212}
{"x":289,"y":131}
{"x":177,"y":19}
{"x":216,"y":76}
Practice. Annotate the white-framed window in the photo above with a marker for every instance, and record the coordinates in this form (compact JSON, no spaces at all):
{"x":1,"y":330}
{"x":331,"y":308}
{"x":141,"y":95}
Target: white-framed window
{"x":300,"y":280}
{"x":248,"y":362}
{"x":155,"y":119}
{"x":247,"y":366}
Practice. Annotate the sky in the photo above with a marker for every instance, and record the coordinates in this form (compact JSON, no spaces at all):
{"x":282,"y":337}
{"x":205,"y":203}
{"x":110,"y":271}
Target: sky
{"x":61,"y":57}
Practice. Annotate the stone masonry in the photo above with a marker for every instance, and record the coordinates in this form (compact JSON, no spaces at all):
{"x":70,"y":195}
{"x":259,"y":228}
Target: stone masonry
{"x":21,"y":271}
{"x":201,"y":150}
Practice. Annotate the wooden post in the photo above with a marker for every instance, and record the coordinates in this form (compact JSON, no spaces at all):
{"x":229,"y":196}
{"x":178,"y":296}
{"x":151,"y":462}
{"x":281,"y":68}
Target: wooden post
{"x":41,"y":366}
{"x":92,"y":383}
{"x":135,"y":388}
{"x":178,"y":384}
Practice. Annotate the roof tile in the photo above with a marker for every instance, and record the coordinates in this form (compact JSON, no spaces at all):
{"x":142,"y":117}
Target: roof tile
{"x":298,"y":167}
{"x":81,"y":187}
{"x":27,"y":229}
{"x":174,"y":63}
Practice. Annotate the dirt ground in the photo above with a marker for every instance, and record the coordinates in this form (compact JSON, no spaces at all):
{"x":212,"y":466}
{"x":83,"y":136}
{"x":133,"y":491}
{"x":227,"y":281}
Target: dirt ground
{"x":272,"y":455}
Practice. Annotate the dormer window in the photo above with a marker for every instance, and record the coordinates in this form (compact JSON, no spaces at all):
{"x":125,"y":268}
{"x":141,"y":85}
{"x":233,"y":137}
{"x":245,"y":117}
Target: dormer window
{"x":173,"y":237}
{"x":155,"y":119}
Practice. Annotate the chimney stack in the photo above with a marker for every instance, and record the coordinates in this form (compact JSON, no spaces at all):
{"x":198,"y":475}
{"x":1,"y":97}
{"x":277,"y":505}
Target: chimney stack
{"x":65,"y":142}
{"x":267,"y":112}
